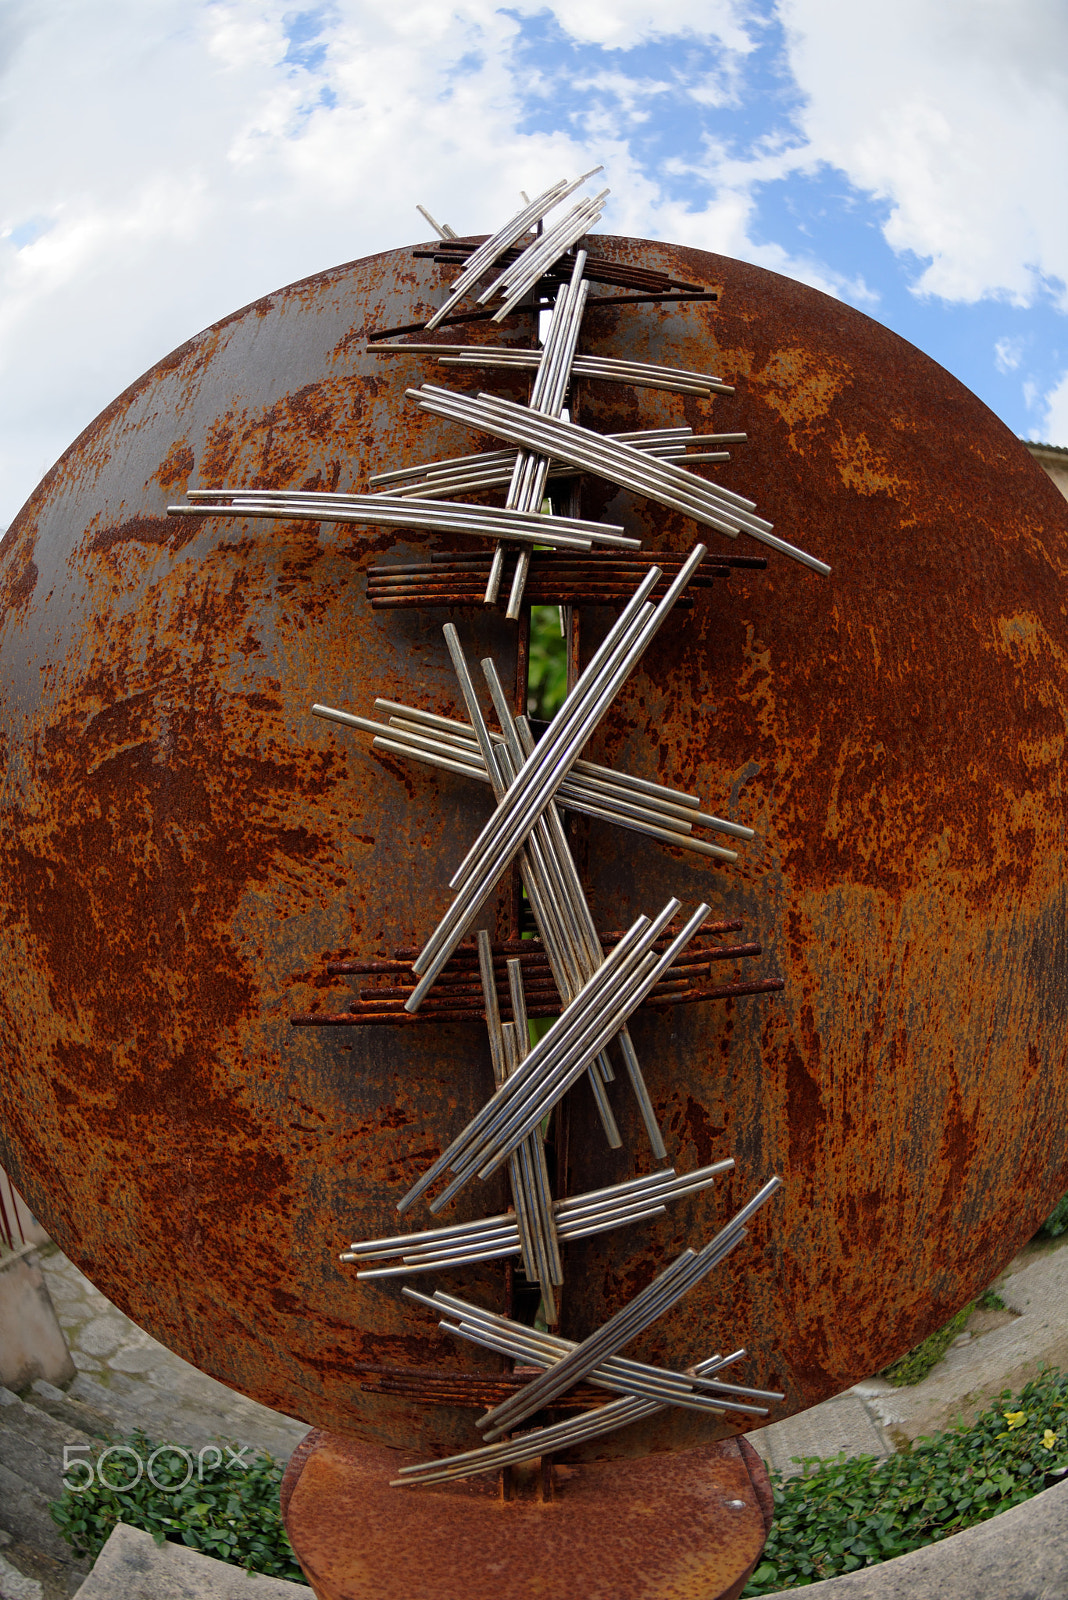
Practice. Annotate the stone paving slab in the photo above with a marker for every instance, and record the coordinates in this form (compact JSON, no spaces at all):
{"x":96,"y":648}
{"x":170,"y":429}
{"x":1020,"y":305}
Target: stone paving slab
{"x":843,"y":1423}
{"x":129,"y":1377}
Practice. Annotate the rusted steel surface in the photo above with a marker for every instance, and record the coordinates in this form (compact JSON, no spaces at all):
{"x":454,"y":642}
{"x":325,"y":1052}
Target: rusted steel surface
{"x":690,"y":1525}
{"x":182,"y":845}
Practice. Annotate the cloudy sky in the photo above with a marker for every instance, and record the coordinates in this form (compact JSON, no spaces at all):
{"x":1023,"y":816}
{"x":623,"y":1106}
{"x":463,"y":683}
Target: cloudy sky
{"x":163,"y":162}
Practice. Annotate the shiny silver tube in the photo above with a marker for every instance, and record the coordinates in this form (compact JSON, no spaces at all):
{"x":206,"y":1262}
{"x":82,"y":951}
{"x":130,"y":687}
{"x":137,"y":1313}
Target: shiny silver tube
{"x":670,"y":485}
{"x":676,"y":1280}
{"x":556,"y":1037}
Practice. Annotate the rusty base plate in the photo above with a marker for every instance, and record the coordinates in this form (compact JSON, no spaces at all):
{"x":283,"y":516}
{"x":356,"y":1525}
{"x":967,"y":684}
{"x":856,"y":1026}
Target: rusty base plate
{"x":688,"y":1526}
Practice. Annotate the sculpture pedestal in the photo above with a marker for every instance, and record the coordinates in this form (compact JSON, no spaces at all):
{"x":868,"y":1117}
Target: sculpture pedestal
{"x":688,"y":1526}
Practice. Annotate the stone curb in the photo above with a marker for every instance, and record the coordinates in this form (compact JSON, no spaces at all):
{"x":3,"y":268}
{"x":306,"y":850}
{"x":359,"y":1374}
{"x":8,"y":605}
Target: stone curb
{"x":1022,"y":1554}
{"x":132,"y":1566}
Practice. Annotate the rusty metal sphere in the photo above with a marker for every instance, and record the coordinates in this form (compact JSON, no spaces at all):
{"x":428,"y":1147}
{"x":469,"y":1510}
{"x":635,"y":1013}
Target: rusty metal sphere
{"x":181,"y":845}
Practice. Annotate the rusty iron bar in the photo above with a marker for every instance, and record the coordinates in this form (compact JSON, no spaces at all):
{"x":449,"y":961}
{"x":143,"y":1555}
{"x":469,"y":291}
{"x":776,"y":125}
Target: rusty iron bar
{"x":600,"y":302}
{"x":394,"y":1014}
{"x":600,"y":269}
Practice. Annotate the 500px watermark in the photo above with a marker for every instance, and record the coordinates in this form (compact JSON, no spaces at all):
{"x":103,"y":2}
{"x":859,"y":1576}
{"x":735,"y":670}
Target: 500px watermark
{"x":124,"y":1456}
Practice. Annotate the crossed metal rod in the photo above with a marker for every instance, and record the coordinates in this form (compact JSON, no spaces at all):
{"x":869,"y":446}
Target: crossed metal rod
{"x":491,"y":468}
{"x":488,"y":252}
{"x":638,"y":374}
{"x":637,"y":1379}
{"x":552,"y":885}
{"x":527,"y":488}
{"x":554,"y":889}
{"x":492,"y":1238}
{"x":706,"y":502}
{"x":545,"y":768}
{"x":527,"y":1169}
{"x":547,"y":1441}
{"x":520,"y":276}
{"x":560,"y":1056}
{"x":665,"y":1291}
{"x":418,"y":736}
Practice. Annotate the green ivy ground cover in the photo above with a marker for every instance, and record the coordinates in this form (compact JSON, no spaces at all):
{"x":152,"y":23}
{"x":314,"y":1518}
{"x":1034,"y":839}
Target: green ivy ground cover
{"x":226,"y":1512}
{"x":841,"y":1514}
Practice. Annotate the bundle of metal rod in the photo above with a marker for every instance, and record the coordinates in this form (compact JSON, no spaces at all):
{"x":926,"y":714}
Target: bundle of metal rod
{"x":552,"y":1440}
{"x":669,"y":485}
{"x":490,"y":469}
{"x":544,"y":771}
{"x":535,"y":1223}
{"x":538,"y":303}
{"x":576,"y":1038}
{"x":487,"y":1238}
{"x":519,"y":278}
{"x":488,"y":522}
{"x":639,"y":374}
{"x":637,"y":1379}
{"x":599,"y":269}
{"x":391,"y":1013}
{"x":527,"y":487}
{"x":565,"y":898}
{"x":549,"y":891}
{"x":484,"y":255}
{"x":592,"y":796}
{"x":665,"y":1291}
{"x":656,"y":796}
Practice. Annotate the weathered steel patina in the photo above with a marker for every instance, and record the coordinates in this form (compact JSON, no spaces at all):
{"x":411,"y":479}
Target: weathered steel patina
{"x":183,"y":849}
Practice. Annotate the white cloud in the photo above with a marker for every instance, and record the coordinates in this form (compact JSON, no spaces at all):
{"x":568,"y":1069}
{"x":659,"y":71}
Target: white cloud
{"x":166,"y":161}
{"x":1008,"y":353}
{"x":622,"y":24}
{"x":163,"y":162}
{"x":955,"y":113}
{"x":1055,"y":426}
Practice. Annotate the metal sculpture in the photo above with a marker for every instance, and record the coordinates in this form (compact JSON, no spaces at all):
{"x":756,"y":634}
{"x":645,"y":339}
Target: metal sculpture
{"x":189,"y":863}
{"x":595,"y":994}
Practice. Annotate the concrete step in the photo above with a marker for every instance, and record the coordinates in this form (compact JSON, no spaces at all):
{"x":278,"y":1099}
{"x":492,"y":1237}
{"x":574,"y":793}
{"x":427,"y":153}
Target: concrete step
{"x":67,"y":1409}
{"x":121,"y":1417}
{"x":31,"y":1473}
{"x":32,"y":1444}
{"x":24,"y":1515}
